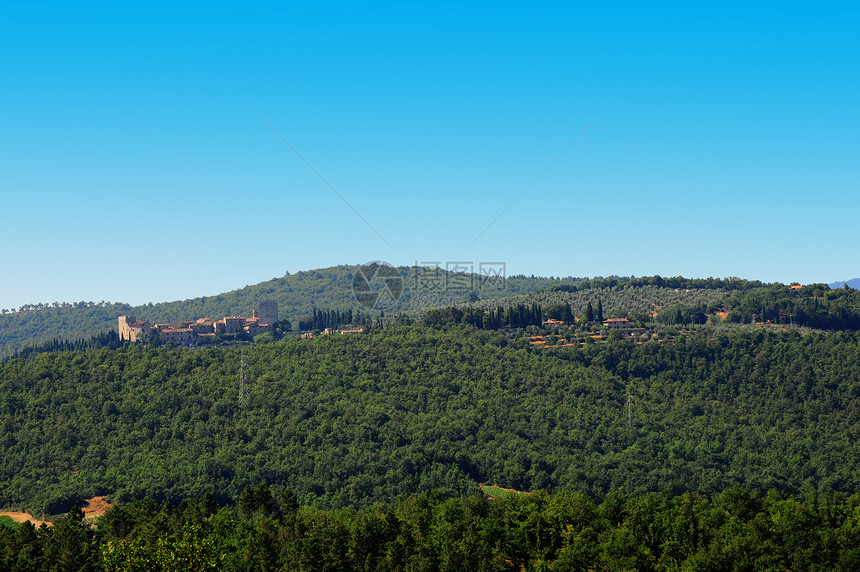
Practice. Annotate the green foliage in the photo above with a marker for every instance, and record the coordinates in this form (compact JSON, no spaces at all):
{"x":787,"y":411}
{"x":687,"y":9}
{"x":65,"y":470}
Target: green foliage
{"x":346,"y":421}
{"x":674,"y":282}
{"x":43,"y":324}
{"x":71,"y":544}
{"x":256,"y":499}
{"x":108,"y":339}
{"x":618,"y":301}
{"x":557,"y":311}
{"x":736,"y":530}
{"x":497,"y":492}
{"x":297,"y":295}
{"x":682,"y":314}
{"x":191,"y":551}
{"x":519,"y":316}
{"x":814,"y":305}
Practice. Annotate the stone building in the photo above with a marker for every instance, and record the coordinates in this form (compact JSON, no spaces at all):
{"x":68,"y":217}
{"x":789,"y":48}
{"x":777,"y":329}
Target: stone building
{"x":268,"y":312}
{"x":130,"y":328}
{"x":618,"y":324}
{"x":187,"y":332}
{"x":177,"y":336}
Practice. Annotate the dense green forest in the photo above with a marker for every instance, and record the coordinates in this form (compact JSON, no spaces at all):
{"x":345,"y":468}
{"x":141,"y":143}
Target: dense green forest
{"x":297,"y":295}
{"x":347,"y":421}
{"x":723,"y":434}
{"x":736,"y":530}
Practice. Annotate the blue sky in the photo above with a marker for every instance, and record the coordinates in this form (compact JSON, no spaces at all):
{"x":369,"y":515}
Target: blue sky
{"x":135,"y":166}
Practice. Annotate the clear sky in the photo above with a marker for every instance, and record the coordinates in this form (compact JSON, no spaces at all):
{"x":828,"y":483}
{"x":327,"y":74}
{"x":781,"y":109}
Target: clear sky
{"x":136,"y":163}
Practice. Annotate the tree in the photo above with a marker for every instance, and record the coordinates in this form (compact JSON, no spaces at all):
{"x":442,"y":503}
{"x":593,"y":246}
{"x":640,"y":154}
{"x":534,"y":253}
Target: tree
{"x":256,"y":499}
{"x":71,"y":544}
{"x":289,"y":501}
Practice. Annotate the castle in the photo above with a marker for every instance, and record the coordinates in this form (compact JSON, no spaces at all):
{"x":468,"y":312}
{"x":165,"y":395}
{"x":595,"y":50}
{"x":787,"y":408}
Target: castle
{"x":187,"y":333}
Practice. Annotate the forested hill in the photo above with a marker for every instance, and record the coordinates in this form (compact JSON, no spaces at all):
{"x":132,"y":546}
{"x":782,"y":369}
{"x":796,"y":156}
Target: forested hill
{"x":688,"y":300}
{"x":347,"y":421}
{"x":297,"y":294}
{"x":681,"y":301}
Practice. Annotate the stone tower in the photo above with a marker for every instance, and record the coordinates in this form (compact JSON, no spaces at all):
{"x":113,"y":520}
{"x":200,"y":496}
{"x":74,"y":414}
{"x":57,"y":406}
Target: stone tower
{"x":124,"y":323}
{"x":268,"y":312}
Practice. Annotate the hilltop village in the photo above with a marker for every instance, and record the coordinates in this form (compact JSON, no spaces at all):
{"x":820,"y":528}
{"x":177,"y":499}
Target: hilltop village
{"x":185,"y":333}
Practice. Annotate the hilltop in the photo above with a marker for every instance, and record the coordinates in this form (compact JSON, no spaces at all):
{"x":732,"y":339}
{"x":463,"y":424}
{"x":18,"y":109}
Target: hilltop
{"x":297,"y":294}
{"x":380,"y":291}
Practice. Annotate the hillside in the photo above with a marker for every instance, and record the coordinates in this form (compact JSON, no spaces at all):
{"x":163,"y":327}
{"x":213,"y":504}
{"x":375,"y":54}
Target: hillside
{"x":339,"y":288}
{"x":296,"y":294}
{"x":654,"y":300}
{"x":620,"y":300}
{"x":346,"y":421}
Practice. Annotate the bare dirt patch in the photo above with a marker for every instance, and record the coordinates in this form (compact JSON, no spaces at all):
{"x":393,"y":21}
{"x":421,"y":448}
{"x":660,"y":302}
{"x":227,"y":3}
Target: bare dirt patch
{"x":96,"y":507}
{"x":24,"y":517}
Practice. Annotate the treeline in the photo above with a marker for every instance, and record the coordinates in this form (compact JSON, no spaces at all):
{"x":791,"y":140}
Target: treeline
{"x":108,"y":340}
{"x":518,"y":316}
{"x":814,"y":306}
{"x":322,"y":319}
{"x":679,"y":282}
{"x":736,"y":530}
{"x":513,"y":316}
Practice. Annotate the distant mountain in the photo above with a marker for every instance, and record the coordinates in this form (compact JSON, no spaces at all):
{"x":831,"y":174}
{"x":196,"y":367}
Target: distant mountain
{"x":297,"y":294}
{"x":853,"y":283}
